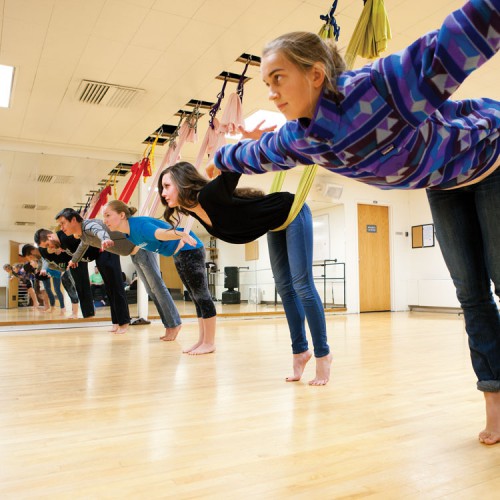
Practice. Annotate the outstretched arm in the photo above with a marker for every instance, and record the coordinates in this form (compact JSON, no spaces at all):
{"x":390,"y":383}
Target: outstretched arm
{"x":173,"y":235}
{"x":255,"y":133}
{"x":417,"y":80}
{"x":272,"y":152}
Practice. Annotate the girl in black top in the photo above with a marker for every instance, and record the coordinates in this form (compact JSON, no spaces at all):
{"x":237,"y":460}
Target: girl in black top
{"x":240,"y":216}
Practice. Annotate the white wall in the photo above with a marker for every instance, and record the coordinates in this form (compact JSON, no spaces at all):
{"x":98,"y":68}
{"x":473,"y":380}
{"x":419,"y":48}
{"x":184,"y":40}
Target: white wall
{"x":429,"y":283}
{"x":418,"y":276}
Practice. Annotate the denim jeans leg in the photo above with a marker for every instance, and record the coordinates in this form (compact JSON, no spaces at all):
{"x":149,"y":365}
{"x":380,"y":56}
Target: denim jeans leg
{"x":147,"y":268}
{"x":468,"y":232}
{"x":47,"y":285}
{"x":56,"y":281}
{"x":291,"y":252}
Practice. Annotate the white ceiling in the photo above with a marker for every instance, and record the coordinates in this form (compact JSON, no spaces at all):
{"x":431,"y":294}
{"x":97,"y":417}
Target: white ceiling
{"x":171,"y":50}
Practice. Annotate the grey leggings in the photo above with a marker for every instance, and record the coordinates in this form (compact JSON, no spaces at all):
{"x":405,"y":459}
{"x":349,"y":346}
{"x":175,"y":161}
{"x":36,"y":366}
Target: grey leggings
{"x":190,"y":265}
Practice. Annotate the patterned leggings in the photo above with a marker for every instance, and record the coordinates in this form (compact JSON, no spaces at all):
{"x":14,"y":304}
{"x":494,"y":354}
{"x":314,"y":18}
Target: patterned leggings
{"x":190,"y":265}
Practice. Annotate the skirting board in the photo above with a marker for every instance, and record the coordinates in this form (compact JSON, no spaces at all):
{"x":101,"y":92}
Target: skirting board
{"x":436,"y":309}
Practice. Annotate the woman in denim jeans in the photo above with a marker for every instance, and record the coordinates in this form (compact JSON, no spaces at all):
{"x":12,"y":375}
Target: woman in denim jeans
{"x":240,"y":216}
{"x":189,"y":259}
{"x":467,"y":222}
{"x":393,"y":125}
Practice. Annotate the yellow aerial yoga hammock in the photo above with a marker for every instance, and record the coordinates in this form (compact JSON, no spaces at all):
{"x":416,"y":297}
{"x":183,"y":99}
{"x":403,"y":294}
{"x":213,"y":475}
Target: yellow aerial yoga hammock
{"x":305,"y":184}
{"x":369,"y":40}
{"x":371,"y":33}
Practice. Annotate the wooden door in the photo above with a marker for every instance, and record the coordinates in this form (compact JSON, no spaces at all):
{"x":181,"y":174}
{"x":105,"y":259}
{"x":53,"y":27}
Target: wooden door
{"x":374,"y":258}
{"x":170,"y":275}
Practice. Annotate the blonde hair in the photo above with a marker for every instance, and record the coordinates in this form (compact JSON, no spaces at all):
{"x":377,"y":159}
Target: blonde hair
{"x":119,"y":206}
{"x":304,"y":49}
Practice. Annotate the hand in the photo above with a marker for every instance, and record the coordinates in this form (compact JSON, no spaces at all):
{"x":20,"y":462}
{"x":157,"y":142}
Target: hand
{"x":179,"y":246}
{"x":107,"y":244}
{"x":256,"y":133}
{"x":212,"y":171}
{"x":72,"y":264}
{"x":188,"y":239}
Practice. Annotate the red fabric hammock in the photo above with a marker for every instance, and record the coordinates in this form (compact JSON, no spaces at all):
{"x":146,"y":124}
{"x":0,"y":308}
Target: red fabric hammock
{"x":102,"y":200}
{"x":141,"y":168}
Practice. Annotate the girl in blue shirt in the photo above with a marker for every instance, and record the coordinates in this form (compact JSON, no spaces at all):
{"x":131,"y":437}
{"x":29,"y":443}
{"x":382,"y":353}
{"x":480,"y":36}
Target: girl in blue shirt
{"x":189,"y":258}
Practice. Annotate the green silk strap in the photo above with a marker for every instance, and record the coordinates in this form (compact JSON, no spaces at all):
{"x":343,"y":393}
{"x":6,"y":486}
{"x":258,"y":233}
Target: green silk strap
{"x":305,"y":184}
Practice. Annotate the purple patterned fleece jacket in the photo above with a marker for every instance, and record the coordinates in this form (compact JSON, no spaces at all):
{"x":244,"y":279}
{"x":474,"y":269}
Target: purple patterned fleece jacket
{"x":395,"y":126}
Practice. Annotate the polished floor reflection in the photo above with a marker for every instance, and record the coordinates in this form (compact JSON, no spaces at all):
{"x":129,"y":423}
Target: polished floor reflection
{"x":88,"y":414}
{"x":28,"y":315}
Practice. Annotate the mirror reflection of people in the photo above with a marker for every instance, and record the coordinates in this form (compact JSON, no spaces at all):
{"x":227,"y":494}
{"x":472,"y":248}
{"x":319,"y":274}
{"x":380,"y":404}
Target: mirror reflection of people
{"x":97,"y":285}
{"x":75,"y":281}
{"x":108,"y":262}
{"x":16,"y":271}
{"x":49,"y":277}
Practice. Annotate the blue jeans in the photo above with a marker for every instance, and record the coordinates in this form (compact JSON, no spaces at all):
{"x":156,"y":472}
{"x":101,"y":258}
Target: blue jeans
{"x":467,"y":222}
{"x":56,"y":280}
{"x":47,"y":285}
{"x":291,"y":254}
{"x":147,"y":268}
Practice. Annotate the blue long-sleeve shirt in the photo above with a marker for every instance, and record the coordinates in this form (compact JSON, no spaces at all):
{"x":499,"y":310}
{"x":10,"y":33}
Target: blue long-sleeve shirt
{"x":394,"y":126}
{"x":142,"y":234}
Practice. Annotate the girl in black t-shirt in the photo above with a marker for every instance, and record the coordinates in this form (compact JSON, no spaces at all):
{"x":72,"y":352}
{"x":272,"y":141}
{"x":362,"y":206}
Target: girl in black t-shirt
{"x":242,"y":215}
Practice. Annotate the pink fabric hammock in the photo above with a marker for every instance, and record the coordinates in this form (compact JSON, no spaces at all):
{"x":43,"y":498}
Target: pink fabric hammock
{"x":209,"y":143}
{"x":232,"y":117}
{"x":185,"y":132}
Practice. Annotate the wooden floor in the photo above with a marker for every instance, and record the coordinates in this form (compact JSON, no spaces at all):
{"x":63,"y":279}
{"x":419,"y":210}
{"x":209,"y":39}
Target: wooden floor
{"x":29,"y":316}
{"x":85,"y":414}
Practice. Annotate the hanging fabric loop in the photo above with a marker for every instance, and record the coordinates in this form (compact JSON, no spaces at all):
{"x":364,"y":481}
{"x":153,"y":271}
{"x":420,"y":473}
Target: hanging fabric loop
{"x":330,"y":29}
{"x":215,"y":108}
{"x":305,"y":184}
{"x":241,"y":81}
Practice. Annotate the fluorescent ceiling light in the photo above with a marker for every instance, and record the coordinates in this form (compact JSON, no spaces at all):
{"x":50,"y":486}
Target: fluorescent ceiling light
{"x":269,"y":117}
{"x":6,"y":78}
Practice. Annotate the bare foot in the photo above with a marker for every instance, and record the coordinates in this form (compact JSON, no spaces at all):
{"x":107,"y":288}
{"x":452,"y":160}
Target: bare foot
{"x":491,"y":434}
{"x":114,"y":328}
{"x":299,"y":363}
{"x":203,"y":349}
{"x":72,"y":317}
{"x":322,"y":370}
{"x":122,"y":328}
{"x":171,"y":333}
{"x":62,"y":311}
{"x":192,"y":348}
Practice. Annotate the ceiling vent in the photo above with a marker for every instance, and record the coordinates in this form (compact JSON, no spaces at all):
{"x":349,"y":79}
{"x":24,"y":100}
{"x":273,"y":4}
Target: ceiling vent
{"x":63,"y":179}
{"x":23,"y":223}
{"x":45,"y":179}
{"x":106,"y":94}
{"x":33,"y":206}
{"x":55,"y":179}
